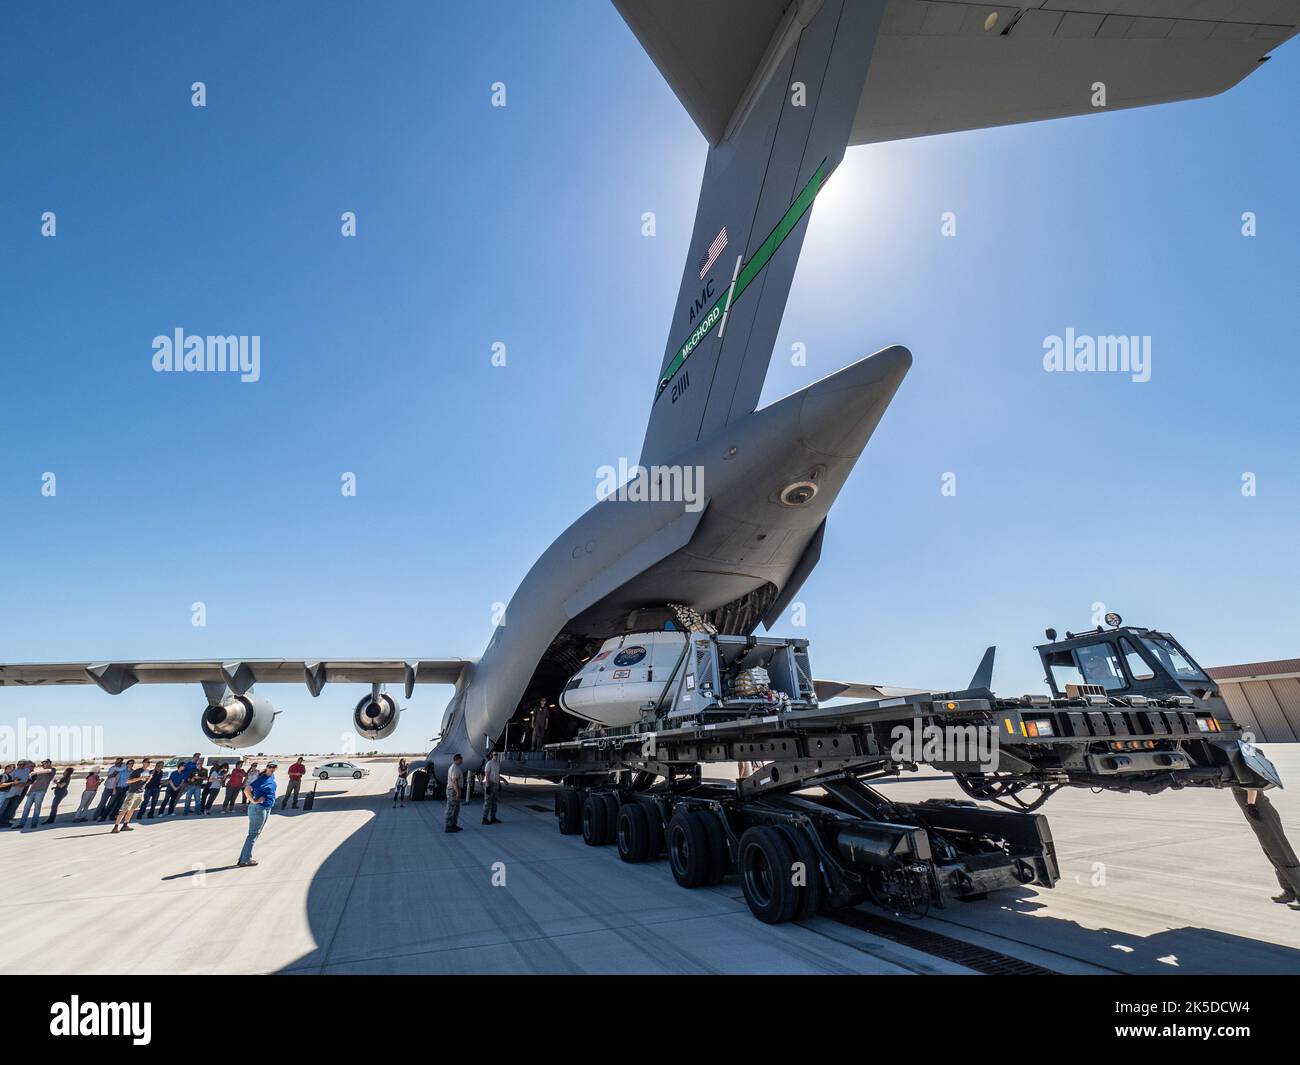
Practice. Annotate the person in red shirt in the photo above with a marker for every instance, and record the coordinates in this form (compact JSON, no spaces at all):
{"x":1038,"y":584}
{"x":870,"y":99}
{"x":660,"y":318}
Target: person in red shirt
{"x":296,"y":772}
{"x":234,"y":785}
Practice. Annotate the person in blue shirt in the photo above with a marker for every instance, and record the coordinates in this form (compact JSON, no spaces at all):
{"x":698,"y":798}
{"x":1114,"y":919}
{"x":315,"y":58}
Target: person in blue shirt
{"x":175,"y":784}
{"x":260,"y":796}
{"x":193,"y":784}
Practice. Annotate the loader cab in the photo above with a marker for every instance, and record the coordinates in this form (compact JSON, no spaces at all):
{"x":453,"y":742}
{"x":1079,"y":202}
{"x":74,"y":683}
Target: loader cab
{"x":1123,"y":661}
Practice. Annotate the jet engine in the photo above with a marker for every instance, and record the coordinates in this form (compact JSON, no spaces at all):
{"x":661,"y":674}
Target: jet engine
{"x":375,"y":717}
{"x":238,"y":721}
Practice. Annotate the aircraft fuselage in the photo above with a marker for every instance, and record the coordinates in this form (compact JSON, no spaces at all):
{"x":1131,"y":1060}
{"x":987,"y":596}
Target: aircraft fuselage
{"x":769,"y":478}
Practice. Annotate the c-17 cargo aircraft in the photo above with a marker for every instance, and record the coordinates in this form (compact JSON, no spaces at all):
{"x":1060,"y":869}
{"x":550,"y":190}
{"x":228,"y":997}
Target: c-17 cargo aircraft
{"x":780,"y":89}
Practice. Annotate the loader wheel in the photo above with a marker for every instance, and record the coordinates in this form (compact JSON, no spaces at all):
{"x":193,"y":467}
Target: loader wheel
{"x":611,"y":816}
{"x":688,"y":850}
{"x":594,"y":827}
{"x":811,"y":894}
{"x":657,"y":833}
{"x":569,"y":809}
{"x":719,"y":859}
{"x":633,"y":833}
{"x":765,"y":875}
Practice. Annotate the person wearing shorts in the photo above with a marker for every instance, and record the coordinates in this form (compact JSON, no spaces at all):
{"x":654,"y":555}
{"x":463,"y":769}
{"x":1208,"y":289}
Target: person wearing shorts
{"x":135,"y":782}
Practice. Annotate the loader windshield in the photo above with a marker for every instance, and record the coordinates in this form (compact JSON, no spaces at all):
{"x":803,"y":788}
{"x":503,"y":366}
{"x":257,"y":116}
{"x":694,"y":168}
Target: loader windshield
{"x":1173,"y":658}
{"x":1100,"y":665}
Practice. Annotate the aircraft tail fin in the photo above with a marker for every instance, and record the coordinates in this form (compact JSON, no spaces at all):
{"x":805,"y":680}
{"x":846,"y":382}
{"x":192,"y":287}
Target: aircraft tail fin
{"x":778,"y":125}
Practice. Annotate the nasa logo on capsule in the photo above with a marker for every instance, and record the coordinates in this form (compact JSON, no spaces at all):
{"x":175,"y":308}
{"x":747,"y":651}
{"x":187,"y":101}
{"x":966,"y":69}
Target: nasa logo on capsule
{"x":629,"y":656}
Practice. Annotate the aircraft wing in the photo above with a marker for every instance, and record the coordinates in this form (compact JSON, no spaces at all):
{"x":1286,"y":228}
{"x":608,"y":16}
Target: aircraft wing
{"x":841,"y":689}
{"x":960,"y":64}
{"x":241,"y":674}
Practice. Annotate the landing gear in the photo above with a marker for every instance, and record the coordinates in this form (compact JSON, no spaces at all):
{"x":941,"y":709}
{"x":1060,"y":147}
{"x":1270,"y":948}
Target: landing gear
{"x":419,"y":785}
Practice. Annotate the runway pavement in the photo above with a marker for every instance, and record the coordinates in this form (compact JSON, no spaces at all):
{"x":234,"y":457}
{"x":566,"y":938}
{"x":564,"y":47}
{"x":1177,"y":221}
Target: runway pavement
{"x":1170,"y":883}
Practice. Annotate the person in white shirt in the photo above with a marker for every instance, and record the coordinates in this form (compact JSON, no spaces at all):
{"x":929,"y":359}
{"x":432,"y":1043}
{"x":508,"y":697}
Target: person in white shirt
{"x":108,"y":787}
{"x":216,"y":781}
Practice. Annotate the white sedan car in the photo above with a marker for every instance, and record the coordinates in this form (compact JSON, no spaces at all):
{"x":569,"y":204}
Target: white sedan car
{"x":340,"y":769}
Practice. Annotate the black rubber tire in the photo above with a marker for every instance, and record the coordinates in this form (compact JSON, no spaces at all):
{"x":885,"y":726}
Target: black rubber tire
{"x":719,"y":859}
{"x":419,"y":785}
{"x":811,"y":894}
{"x":633,"y":833}
{"x":324,"y":776}
{"x":688,"y":850}
{"x":356,"y":775}
{"x":611,"y":816}
{"x":657,"y":832}
{"x":766,"y":865}
{"x":594,"y":827}
{"x":569,"y":808}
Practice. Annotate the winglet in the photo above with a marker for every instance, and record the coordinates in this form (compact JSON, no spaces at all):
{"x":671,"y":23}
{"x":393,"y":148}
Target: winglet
{"x":984,"y":674}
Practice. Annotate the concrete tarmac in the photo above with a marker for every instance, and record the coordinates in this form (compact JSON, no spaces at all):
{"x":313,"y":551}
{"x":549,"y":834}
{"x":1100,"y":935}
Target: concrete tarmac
{"x":1170,"y":883}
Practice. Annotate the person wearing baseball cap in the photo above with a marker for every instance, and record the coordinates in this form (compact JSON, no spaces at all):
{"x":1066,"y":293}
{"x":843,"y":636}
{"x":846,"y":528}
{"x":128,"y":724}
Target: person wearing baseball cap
{"x":260,"y":794}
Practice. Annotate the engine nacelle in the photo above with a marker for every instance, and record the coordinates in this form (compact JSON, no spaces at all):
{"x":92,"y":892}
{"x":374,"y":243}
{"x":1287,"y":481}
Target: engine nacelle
{"x":376,"y":717}
{"x":238,"y":721}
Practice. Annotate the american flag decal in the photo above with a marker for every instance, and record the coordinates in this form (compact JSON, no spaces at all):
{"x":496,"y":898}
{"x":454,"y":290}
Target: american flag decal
{"x":715,"y":249}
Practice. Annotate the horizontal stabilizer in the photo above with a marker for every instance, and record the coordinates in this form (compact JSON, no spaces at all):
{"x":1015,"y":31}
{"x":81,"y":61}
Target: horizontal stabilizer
{"x":840,"y":689}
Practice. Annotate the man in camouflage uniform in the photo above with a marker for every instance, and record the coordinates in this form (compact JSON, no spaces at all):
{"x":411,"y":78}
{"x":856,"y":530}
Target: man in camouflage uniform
{"x":455,"y":792}
{"x":491,"y":785}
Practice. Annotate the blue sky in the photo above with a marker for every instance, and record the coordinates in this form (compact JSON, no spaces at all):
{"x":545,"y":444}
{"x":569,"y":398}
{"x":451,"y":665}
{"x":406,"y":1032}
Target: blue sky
{"x":523,"y":225}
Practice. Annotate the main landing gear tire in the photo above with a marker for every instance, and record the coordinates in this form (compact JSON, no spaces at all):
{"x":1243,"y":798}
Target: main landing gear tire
{"x":568,"y":807}
{"x":766,"y":863}
{"x":633,"y":833}
{"x":811,"y":894}
{"x":688,"y":850}
{"x":419,"y":785}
